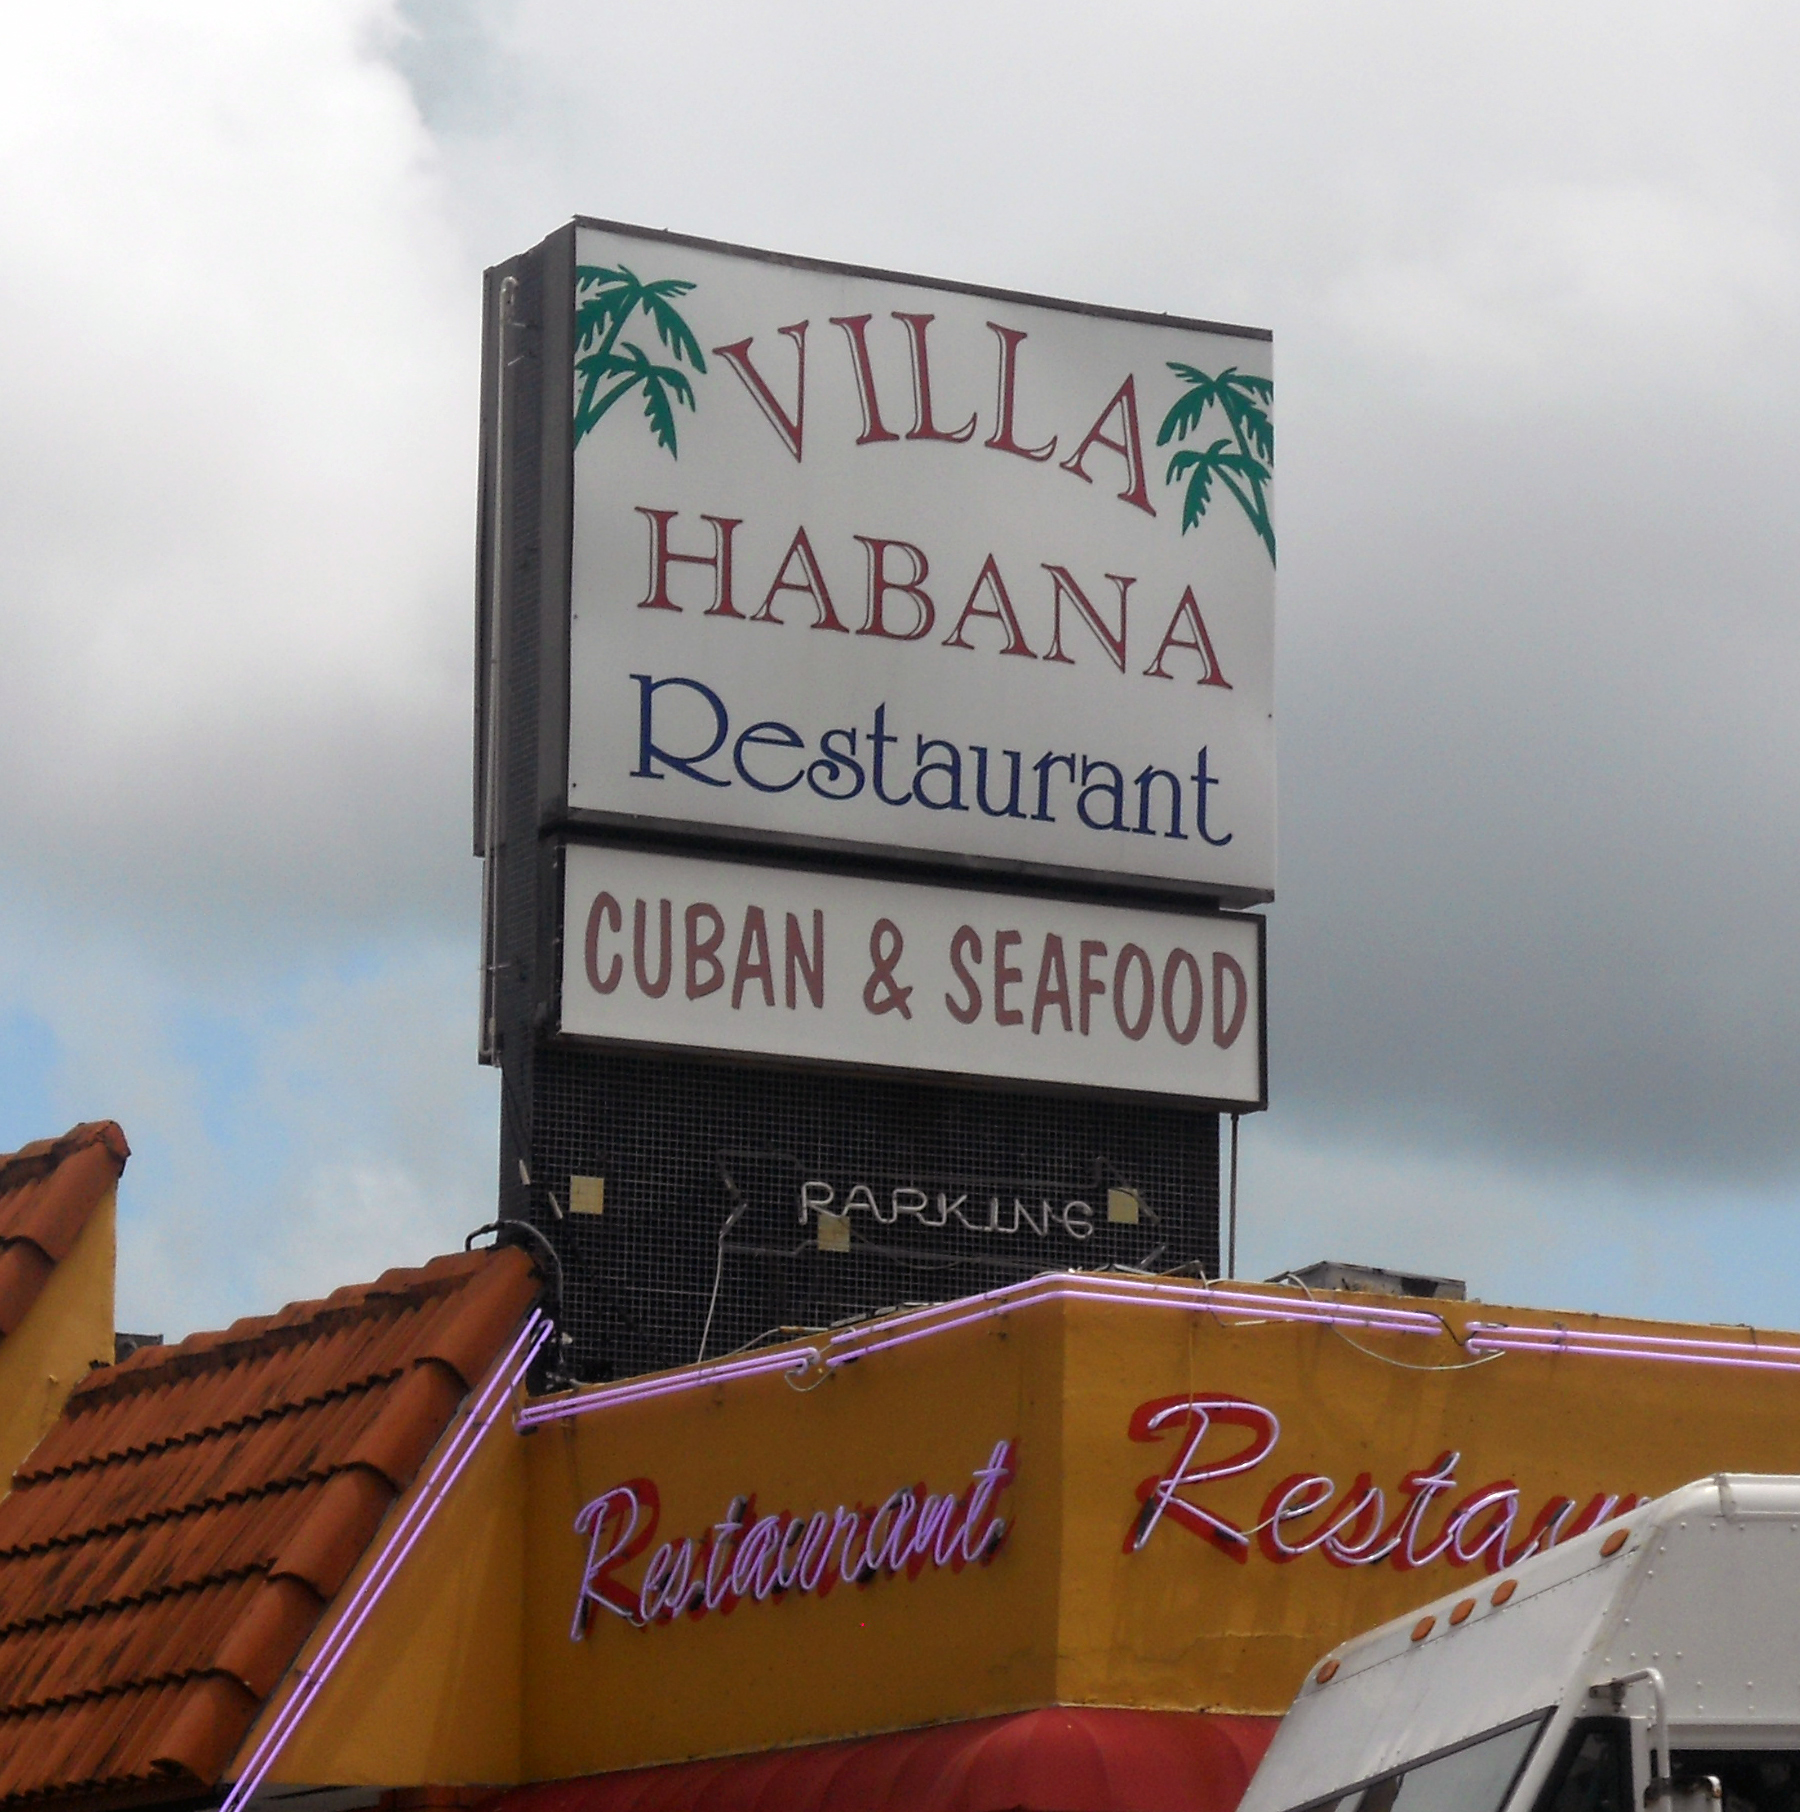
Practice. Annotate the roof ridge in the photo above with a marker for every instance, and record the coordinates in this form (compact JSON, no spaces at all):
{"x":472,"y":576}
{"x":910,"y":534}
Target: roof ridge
{"x":30,"y":1163}
{"x":24,"y":1478}
{"x":111,"y":1606}
{"x":294,"y":1324}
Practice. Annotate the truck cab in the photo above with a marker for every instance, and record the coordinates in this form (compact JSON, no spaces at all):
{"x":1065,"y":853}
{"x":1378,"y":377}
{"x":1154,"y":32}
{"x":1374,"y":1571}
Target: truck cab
{"x":1653,"y":1661}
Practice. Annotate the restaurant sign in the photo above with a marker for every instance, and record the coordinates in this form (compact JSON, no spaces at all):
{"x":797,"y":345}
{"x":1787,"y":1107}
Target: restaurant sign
{"x":710,"y":955}
{"x":863,"y":559}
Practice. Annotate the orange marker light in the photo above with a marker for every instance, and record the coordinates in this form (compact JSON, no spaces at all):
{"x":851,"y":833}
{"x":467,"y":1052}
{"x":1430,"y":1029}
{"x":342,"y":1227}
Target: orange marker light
{"x":1503,"y":1591}
{"x":1461,"y":1613}
{"x":1326,"y":1673}
{"x":1615,"y":1541}
{"x":1423,"y":1628}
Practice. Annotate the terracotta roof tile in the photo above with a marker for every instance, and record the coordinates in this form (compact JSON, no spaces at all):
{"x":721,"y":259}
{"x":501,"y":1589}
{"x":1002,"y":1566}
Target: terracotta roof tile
{"x":172,"y":1543}
{"x":47,"y":1192}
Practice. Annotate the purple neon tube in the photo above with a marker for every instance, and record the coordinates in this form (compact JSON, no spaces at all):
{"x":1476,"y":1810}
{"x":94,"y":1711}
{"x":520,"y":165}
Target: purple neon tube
{"x":919,"y":1324}
{"x":1665,"y":1345}
{"x":1744,"y":1360}
{"x":457,"y":1452}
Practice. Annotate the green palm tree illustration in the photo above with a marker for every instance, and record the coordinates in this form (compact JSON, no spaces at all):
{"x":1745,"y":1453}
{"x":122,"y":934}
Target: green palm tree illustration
{"x":1242,"y":399}
{"x":608,"y":367}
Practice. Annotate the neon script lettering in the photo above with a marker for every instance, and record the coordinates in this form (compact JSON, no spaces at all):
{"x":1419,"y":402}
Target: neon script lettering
{"x":1305,"y":1513}
{"x":763,"y":1557}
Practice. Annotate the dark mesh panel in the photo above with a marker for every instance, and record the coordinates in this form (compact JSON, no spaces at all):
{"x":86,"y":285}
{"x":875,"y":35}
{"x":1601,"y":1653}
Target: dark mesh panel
{"x":1019,"y":1182}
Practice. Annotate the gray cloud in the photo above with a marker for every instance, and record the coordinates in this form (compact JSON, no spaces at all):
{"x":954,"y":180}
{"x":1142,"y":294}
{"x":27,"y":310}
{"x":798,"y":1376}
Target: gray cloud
{"x":1531,"y":275}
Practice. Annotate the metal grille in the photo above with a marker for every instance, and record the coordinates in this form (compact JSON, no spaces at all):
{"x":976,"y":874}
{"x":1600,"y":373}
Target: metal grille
{"x":740,"y":1201}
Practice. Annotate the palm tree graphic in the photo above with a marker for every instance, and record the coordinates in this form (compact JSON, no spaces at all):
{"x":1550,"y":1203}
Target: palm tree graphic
{"x":607,"y":368}
{"x":1243,"y":461}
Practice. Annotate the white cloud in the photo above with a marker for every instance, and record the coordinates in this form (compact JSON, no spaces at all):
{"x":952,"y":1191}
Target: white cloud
{"x":235,"y":483}
{"x":1530,"y":272}
{"x":1545,"y":293}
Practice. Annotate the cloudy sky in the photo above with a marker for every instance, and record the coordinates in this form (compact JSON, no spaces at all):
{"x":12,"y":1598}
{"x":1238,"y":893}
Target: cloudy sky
{"x":1533,"y":274}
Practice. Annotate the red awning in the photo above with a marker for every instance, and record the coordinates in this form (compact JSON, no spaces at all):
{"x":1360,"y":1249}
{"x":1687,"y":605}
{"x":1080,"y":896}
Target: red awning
{"x":1064,"y":1759}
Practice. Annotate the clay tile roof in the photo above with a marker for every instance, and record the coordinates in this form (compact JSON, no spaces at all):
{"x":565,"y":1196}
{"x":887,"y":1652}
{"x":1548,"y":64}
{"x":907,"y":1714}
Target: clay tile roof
{"x":176,"y":1537}
{"x":47,"y":1192}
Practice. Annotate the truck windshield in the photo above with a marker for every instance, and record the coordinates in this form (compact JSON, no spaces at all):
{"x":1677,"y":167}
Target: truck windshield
{"x":1475,"y":1776}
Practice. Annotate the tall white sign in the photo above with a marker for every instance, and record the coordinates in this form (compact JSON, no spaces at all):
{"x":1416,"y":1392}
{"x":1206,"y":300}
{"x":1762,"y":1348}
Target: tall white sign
{"x":863,"y":560}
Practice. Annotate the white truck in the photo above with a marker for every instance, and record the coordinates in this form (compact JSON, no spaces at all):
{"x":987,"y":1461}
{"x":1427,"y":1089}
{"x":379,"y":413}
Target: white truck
{"x":1654,"y":1661}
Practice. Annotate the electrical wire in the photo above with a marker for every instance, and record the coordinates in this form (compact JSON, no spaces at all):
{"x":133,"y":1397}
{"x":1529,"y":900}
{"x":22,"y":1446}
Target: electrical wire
{"x":1405,"y":1365}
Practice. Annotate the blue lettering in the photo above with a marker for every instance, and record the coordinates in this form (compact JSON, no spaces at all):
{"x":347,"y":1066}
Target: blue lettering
{"x":649,"y":752}
{"x":951,"y":765}
{"x":837,"y":759}
{"x":780,"y":737}
{"x":1204,"y":780}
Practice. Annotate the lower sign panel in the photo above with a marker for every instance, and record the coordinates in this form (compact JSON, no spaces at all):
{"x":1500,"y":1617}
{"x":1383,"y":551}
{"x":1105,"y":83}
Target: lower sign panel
{"x":722,"y":956}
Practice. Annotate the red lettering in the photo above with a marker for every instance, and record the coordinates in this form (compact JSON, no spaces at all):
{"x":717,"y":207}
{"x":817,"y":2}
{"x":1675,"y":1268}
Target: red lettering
{"x":662,"y":557}
{"x":619,"y":1525}
{"x":924,"y":428}
{"x":753,"y":961}
{"x":1498,"y":1504}
{"x":1421,"y":1487}
{"x":1134,"y":957}
{"x":1598,"y":1509}
{"x":1188,"y":612}
{"x":1224,"y":1030}
{"x":717,"y":1593}
{"x":751,"y":1558}
{"x":1052,"y":985}
{"x":981,"y":1540}
{"x":809,"y":968}
{"x":1004,"y":977}
{"x":1159,"y":1495}
{"x":1091,"y":985}
{"x":1183,"y":1030}
{"x":880,"y":584}
{"x":1545,"y":1532}
{"x":964,"y":946}
{"x":1000,"y":611}
{"x":705,"y":973}
{"x":810,"y":584}
{"x":1297,"y":1496}
{"x":1350,"y":1534}
{"x":1129,"y":446}
{"x":790,"y":428}
{"x":1359,"y":1512}
{"x":856,"y":331}
{"x":1003,"y":440}
{"x":655,"y":990}
{"x":604,"y":907}
{"x":1063,"y":582}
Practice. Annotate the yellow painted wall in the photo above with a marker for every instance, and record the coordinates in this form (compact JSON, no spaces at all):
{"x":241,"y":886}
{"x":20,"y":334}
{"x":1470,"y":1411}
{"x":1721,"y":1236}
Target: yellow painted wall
{"x":1064,"y":1613}
{"x":894,"y":1653}
{"x":1180,"y":1624}
{"x":65,"y":1332}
